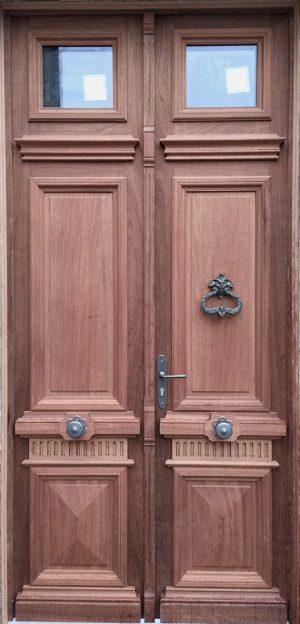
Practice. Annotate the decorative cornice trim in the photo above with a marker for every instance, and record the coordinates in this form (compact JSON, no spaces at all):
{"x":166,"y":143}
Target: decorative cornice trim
{"x":77,"y":147}
{"x":248,"y":424}
{"x":222,"y":146}
{"x":46,"y":424}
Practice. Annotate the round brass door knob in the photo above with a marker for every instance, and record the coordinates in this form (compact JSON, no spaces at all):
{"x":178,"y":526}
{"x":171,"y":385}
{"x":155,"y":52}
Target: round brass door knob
{"x":222,"y":428}
{"x":76,"y":427}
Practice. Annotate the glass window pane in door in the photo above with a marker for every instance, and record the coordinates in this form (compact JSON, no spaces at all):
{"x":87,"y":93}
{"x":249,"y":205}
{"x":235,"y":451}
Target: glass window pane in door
{"x":78,"y":76}
{"x":221,"y":76}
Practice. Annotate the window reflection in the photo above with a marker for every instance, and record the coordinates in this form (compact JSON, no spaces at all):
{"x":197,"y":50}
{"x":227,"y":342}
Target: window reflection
{"x":78,"y":76}
{"x":221,"y":75}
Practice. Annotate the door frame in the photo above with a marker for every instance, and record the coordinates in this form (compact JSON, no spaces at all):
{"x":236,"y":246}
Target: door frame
{"x":27,"y":7}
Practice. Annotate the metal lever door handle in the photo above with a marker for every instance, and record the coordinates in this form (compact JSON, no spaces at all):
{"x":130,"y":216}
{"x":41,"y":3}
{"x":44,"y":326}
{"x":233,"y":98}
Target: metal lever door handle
{"x":162,"y":383}
{"x":165,"y":376}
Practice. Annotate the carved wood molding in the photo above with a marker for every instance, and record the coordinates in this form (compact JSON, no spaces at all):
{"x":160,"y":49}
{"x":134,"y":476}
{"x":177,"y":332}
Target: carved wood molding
{"x":203,"y":452}
{"x":262,"y":425}
{"x":77,"y":147}
{"x":42,"y":424}
{"x":222,"y":147}
{"x":104,"y":451}
{"x":94,"y":6}
{"x":88,"y":602}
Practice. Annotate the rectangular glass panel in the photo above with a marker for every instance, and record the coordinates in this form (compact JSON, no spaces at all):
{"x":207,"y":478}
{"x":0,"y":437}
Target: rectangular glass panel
{"x":221,"y":75}
{"x":78,"y":76}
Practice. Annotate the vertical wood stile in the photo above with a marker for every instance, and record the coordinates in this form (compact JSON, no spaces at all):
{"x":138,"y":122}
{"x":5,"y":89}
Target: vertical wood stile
{"x":3,"y":346}
{"x":293,"y":451}
{"x":149,"y":399}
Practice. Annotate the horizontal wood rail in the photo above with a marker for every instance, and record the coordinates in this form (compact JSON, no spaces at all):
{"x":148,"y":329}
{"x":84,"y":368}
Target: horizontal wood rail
{"x":222,"y":146}
{"x":263,"y":425}
{"x":77,"y":147}
{"x":54,"y":424}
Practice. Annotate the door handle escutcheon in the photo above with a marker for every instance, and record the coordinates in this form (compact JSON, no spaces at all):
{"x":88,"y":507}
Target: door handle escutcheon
{"x":162,"y":378}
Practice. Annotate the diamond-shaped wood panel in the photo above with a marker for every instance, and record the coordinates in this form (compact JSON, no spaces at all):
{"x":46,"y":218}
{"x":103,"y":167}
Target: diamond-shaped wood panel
{"x":79,"y":526}
{"x":222,"y":526}
{"x":72,"y":509}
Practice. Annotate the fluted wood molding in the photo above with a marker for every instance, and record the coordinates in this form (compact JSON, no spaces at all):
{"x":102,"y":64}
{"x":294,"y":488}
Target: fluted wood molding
{"x":58,"y":452}
{"x":201,"y":452}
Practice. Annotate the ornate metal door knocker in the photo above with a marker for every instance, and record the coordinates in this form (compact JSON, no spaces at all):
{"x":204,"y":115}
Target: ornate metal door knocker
{"x":221,"y":287}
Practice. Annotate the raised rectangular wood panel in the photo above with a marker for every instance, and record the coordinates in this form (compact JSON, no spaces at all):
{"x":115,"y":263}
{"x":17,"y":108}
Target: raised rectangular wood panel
{"x":78,"y":531}
{"x":221,"y":225}
{"x":78,"y":294}
{"x":66,"y":503}
{"x":222,"y":529}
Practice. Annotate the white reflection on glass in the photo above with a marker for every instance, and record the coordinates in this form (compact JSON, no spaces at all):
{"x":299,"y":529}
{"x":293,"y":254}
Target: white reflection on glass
{"x":221,"y":75}
{"x":78,"y":76}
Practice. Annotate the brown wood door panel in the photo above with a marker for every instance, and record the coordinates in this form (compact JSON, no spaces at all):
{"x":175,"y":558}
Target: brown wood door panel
{"x":79,"y":353}
{"x":221,"y":225}
{"x":219,"y":211}
{"x":121,"y":217}
{"x":78,"y":323}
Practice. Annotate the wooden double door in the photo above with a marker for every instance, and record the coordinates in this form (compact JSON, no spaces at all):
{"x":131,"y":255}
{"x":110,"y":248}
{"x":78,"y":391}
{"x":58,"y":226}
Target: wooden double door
{"x":150,"y":234}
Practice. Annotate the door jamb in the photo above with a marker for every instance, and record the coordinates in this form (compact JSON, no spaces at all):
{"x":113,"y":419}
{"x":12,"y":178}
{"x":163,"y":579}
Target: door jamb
{"x":3,"y":338}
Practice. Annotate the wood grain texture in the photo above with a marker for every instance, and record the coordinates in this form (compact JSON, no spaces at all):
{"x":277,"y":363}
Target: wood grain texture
{"x":176,"y":424}
{"x":72,"y":498}
{"x":97,"y":6}
{"x":77,"y":147}
{"x":78,"y":350}
{"x":205,"y":213}
{"x":260,"y":606}
{"x":149,"y":315}
{"x":3,"y":337}
{"x":222,"y":527}
{"x":257,"y":424}
{"x":266,"y":604}
{"x":85,"y":605}
{"x":18,"y":320}
{"x":64,"y":503}
{"x":222,"y":147}
{"x":294,"y":333}
{"x":98,"y":423}
{"x":92,"y":273}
